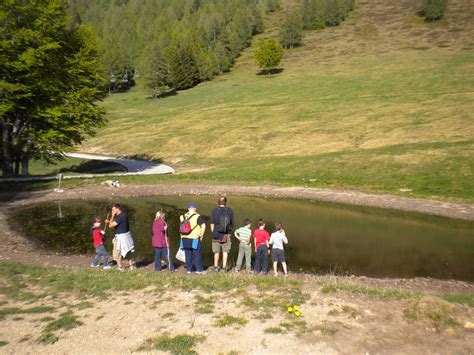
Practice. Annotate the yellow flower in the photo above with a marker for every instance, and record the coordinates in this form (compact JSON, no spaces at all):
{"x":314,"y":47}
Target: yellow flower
{"x":296,"y":308}
{"x":290,"y":309}
{"x":297,"y":313}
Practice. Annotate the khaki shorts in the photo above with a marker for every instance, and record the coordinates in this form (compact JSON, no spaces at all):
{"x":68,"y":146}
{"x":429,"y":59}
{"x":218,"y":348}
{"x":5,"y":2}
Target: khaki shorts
{"x":116,"y":254}
{"x":221,"y":247}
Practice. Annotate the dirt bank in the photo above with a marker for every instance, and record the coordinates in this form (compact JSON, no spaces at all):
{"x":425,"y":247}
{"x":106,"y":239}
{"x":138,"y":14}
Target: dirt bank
{"x":434,"y":207}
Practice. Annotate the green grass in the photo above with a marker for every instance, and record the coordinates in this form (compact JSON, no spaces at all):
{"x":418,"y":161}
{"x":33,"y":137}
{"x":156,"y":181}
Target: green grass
{"x":357,"y":106}
{"x":3,"y":343}
{"x":228,"y":320}
{"x":374,"y":113}
{"x":273,"y":330}
{"x":432,"y":311}
{"x":181,"y":344}
{"x":96,"y":283}
{"x":206,"y":309}
{"x":47,"y":338}
{"x":333,"y":285}
{"x":66,"y":321}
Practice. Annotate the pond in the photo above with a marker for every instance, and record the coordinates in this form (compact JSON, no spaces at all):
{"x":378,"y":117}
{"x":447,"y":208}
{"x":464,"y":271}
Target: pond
{"x":323,"y":237}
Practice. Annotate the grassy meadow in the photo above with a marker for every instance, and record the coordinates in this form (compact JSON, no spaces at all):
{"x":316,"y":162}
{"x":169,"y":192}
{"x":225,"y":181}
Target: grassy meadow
{"x":383,"y":102}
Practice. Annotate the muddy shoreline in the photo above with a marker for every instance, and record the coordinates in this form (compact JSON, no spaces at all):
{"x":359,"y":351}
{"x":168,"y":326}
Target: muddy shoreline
{"x":459,"y":210}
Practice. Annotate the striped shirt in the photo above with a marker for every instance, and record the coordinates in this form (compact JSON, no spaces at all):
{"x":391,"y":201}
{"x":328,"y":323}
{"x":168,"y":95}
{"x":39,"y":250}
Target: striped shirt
{"x":244,"y":234}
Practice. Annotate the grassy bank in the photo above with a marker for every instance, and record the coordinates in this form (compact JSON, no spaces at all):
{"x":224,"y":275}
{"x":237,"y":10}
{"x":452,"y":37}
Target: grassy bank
{"x":381,"y":103}
{"x":17,"y":278}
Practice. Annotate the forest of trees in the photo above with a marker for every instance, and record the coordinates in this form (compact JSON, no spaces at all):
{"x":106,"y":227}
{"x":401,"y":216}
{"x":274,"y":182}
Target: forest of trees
{"x":174,"y":44}
{"x":55,"y":71}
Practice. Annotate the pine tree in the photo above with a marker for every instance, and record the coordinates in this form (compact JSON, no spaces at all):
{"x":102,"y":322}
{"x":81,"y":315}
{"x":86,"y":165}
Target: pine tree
{"x":157,"y":71}
{"x":291,"y":33}
{"x":433,"y":10}
{"x":332,"y":14}
{"x":184,"y":71}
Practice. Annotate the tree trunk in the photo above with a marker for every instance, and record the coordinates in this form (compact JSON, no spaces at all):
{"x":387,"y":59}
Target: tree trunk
{"x":7,"y":167}
{"x":25,"y":160}
{"x":16,"y":167}
{"x":25,"y":163}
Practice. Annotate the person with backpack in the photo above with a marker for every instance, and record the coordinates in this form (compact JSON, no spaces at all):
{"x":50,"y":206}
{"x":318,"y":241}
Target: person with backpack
{"x":222,"y":223}
{"x":191,"y":229}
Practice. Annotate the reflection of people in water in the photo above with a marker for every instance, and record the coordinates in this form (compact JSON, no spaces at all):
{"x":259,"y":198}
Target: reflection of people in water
{"x":161,"y":242}
{"x":124,"y":246}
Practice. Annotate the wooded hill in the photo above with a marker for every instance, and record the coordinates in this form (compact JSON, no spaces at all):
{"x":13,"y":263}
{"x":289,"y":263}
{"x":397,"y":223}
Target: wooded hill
{"x":175,"y":44}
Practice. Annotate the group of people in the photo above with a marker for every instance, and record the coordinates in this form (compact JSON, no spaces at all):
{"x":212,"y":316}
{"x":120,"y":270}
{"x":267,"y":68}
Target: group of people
{"x":192,"y":229}
{"x":123,"y":244}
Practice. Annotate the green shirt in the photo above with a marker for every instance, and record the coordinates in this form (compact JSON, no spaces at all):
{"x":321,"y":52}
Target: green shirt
{"x":244,"y":234}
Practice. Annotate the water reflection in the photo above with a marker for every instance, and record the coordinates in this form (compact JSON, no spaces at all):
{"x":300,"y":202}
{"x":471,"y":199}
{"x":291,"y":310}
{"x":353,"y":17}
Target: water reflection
{"x":323,"y":237}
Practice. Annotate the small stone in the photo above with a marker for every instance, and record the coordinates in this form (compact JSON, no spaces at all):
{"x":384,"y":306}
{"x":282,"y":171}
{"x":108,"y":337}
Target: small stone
{"x":405,"y":190}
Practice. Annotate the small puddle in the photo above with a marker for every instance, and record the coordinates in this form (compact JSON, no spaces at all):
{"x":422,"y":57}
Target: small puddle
{"x":323,"y":237}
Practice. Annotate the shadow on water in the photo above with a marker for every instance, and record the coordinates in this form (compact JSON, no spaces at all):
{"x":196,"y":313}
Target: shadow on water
{"x":323,"y":237}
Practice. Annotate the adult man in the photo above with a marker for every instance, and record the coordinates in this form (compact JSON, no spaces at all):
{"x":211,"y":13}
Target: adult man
{"x":222,"y":223}
{"x":123,"y":242}
{"x":191,"y":238}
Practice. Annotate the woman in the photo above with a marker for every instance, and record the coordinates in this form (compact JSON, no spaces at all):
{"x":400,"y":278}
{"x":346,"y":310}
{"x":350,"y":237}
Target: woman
{"x":160,"y":241}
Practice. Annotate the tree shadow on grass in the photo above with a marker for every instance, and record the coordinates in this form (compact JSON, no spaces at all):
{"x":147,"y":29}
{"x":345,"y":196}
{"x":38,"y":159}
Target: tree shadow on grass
{"x":145,"y":157}
{"x":270,"y":71}
{"x":163,"y":95}
{"x":94,"y":167}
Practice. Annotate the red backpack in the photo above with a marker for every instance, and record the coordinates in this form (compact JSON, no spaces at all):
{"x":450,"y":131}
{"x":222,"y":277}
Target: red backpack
{"x":185,"y":225}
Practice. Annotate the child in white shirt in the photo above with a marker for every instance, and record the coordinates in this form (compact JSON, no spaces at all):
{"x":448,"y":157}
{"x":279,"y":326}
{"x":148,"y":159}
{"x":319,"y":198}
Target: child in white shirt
{"x":278,"y":253}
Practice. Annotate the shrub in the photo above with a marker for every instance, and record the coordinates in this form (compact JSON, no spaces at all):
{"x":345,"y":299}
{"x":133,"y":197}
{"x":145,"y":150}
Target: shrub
{"x":433,"y":10}
{"x":268,"y":55}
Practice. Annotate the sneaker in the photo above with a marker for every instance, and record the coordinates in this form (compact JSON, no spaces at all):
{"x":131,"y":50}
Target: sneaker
{"x":215,"y":269}
{"x":236,"y":269}
{"x":107,"y":267}
{"x":94,"y":266}
{"x":188,"y":272}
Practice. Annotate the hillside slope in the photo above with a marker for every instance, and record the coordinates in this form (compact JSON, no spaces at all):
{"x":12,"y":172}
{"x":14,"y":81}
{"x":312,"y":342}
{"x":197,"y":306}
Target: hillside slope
{"x":381,"y":103}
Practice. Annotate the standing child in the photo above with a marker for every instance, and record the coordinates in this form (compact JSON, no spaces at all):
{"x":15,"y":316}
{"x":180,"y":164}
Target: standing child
{"x":261,"y":237}
{"x":97,"y":235}
{"x":243,"y":234}
{"x":278,"y":253}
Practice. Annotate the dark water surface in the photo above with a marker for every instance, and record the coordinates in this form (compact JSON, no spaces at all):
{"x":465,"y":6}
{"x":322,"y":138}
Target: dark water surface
{"x":323,"y":237}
